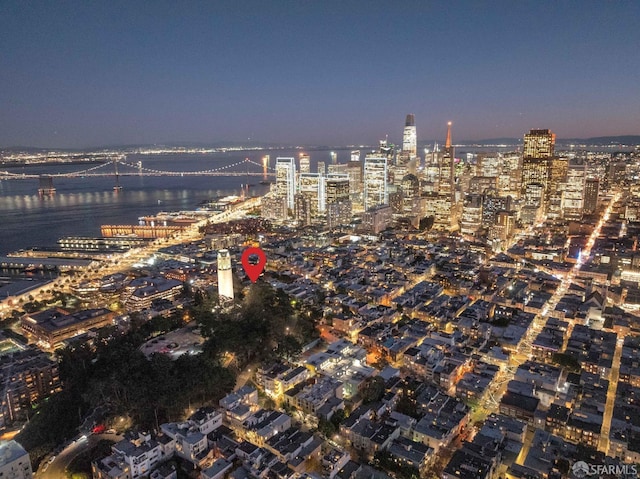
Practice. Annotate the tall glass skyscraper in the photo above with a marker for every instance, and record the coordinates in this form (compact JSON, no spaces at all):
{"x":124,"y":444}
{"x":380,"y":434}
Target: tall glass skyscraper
{"x":375,"y":181}
{"x":286,"y":180}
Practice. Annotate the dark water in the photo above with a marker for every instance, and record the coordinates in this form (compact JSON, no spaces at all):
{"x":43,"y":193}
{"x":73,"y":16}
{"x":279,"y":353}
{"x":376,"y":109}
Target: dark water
{"x":81,"y":205}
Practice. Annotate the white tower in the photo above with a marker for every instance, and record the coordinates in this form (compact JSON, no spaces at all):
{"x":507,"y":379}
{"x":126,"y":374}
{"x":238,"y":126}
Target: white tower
{"x":225,"y":275}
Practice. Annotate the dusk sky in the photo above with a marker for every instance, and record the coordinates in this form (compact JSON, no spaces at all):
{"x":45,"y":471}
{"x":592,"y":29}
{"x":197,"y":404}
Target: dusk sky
{"x":89,"y":73}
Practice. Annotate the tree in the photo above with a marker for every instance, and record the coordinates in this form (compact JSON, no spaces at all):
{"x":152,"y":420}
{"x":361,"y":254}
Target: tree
{"x":289,"y":347}
{"x":566,"y":361}
{"x":372,"y":389}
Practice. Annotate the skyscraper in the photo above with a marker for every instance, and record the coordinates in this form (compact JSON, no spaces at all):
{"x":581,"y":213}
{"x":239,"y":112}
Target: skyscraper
{"x":471,"y":220}
{"x":375,"y":181}
{"x":446,"y":179}
{"x":305,"y":163}
{"x":410,"y":188}
{"x":409,"y":139}
{"x":286,"y":180}
{"x":537,"y":154}
{"x":225,"y":275}
{"x":339,"y":206}
{"x":591,"y":191}
{"x":312,"y":187}
{"x":337,"y":188}
{"x":303,"y":210}
{"x":573,"y":194}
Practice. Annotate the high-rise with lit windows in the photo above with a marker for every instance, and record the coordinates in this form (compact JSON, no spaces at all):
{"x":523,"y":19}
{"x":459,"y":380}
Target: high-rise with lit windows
{"x":305,"y":163}
{"x":573,"y":191}
{"x":375,"y":181}
{"x":311,"y":185}
{"x":591,"y":191}
{"x":446,"y":180}
{"x":286,"y":180}
{"x":537,"y":154}
{"x":409,"y":139}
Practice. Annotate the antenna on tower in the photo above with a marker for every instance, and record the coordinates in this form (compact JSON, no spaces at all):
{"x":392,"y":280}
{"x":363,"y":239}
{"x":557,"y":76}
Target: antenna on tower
{"x":448,"y":143}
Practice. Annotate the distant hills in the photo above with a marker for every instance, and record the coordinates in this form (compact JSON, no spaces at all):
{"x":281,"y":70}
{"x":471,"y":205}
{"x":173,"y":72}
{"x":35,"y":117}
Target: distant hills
{"x":608,"y":141}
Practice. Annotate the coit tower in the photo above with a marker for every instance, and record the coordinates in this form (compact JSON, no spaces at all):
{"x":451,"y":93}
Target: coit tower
{"x":225,"y":276}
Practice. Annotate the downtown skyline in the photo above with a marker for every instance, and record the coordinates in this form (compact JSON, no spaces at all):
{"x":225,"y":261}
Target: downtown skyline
{"x":81,"y":75}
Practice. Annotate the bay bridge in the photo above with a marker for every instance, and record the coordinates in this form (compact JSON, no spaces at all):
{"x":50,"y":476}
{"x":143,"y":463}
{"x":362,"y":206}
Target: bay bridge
{"x":239,"y":168}
{"x":118,"y":167}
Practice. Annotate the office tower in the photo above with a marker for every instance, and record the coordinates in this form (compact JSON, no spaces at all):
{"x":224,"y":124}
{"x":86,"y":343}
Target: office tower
{"x":410,"y":188}
{"x":538,"y":151}
{"x":471,"y":221}
{"x":274,"y":207}
{"x":558,"y":172}
{"x":385,"y":149}
{"x":503,"y":228}
{"x":492,"y":204}
{"x":534,"y":195}
{"x":489,"y":166}
{"x":396,"y":200}
{"x":375,"y":181}
{"x":312,"y":186}
{"x":591,"y":191}
{"x":356,"y":185}
{"x":532,"y":201}
{"x":322,"y":170}
{"x":303,"y":210}
{"x":339,"y":214}
{"x":225,"y":275}
{"x":616,"y":173}
{"x":409,"y":139}
{"x":431,"y":165}
{"x":406,"y":161}
{"x":339,"y":206}
{"x":479,"y":184}
{"x":337,"y":168}
{"x":14,"y":461}
{"x":355,"y":155}
{"x":511,"y":177}
{"x":334,"y":157}
{"x":377,"y":219}
{"x":446,"y":181}
{"x":286,"y":180}
{"x":305,"y":163}
{"x":337,"y":188}
{"x":573,"y":191}
{"x":439,"y":206}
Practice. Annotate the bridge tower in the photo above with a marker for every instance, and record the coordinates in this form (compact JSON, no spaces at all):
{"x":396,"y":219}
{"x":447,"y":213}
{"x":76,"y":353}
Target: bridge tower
{"x":265,"y":167}
{"x":117,"y":186}
{"x":140,"y":167}
{"x":46,"y":186}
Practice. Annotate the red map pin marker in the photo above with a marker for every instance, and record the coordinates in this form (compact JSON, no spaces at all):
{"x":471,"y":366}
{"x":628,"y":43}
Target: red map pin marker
{"x":253,"y":270}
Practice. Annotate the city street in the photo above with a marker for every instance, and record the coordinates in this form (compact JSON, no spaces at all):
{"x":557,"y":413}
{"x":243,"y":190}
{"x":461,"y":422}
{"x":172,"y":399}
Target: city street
{"x":57,"y":468}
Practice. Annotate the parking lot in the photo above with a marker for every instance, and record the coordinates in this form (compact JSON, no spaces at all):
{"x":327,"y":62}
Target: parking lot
{"x":176,"y":343}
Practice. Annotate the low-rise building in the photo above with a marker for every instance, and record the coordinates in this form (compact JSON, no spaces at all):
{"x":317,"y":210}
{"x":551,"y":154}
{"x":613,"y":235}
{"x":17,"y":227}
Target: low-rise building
{"x":52,"y":326}
{"x":14,"y":461}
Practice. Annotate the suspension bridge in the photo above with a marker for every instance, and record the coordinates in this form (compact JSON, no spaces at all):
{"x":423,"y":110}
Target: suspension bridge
{"x":239,"y":168}
{"x":118,"y":167}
